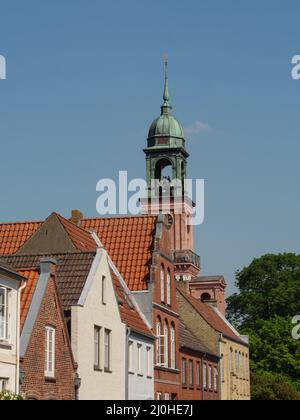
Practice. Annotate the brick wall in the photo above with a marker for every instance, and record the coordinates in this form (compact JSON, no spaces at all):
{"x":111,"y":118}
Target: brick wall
{"x":191,"y":390}
{"x":35,"y":385}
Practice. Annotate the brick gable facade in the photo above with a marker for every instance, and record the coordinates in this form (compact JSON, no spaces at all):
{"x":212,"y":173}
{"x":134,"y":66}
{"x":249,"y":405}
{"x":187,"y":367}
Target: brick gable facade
{"x":35,"y":385}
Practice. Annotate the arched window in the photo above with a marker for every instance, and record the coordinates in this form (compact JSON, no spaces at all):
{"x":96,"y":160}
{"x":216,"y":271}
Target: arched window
{"x":159,"y":344}
{"x":162,"y":284}
{"x":173,"y":347}
{"x":169,"y":287}
{"x":166,"y":340}
{"x":205,"y":297}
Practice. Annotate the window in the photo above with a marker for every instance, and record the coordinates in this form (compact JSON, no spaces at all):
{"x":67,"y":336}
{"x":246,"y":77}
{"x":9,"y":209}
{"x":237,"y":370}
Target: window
{"x":167,"y":397}
{"x":103,"y":290}
{"x":3,"y":313}
{"x":237,"y":363}
{"x":231,"y":360}
{"x":183,"y":371}
{"x":198,"y":374}
{"x":107,"y":345}
{"x":204,"y":376}
{"x":159,"y":396}
{"x":97,"y":348}
{"x":209,"y":377}
{"x":50,"y":352}
{"x":216,"y":379}
{"x":139,"y":359}
{"x":130,"y":357}
{"x":159,"y":344}
{"x":162,"y":284}
{"x":173,"y":348}
{"x":3,"y":385}
{"x":166,"y":340}
{"x":149,"y":362}
{"x":191,"y":373}
{"x":169,"y":288}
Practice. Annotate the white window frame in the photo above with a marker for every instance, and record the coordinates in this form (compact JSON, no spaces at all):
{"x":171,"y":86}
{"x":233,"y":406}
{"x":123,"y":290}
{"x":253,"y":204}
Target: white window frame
{"x":3,"y":384}
{"x":158,"y":396}
{"x":173,"y":348}
{"x":167,"y":396}
{"x":4,"y":319}
{"x":97,"y":347}
{"x":140,"y":359}
{"x":191,"y":373}
{"x":183,"y":372}
{"x":216,"y":375}
{"x":166,"y":340}
{"x":149,"y":362}
{"x":160,"y":345}
{"x":130,"y":356}
{"x":209,"y":378}
{"x":169,"y":288}
{"x":162,"y":284}
{"x":104,"y":290}
{"x":107,"y":350}
{"x":204,"y":375}
{"x":198,"y":374}
{"x":50,"y":336}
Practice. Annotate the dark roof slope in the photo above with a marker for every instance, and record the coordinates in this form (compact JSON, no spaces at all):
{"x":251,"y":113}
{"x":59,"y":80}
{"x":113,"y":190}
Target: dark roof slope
{"x":187,"y":340}
{"x":212,"y":318}
{"x":71,"y":272}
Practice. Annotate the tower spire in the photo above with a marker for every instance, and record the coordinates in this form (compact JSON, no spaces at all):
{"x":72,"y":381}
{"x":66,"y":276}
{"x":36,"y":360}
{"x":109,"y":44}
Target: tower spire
{"x":166,"y":108}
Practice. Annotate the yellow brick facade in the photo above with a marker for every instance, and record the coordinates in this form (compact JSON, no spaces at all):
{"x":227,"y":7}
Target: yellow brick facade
{"x":235,"y":371}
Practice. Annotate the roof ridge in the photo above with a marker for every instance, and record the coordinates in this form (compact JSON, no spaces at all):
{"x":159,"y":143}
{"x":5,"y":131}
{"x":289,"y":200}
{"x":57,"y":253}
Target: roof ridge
{"x":138,"y":216}
{"x":22,"y":222}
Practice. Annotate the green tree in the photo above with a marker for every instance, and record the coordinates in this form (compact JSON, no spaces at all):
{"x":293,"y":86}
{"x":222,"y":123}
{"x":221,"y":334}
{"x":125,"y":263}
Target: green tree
{"x":267,"y":386}
{"x":269,"y":287}
{"x":268,"y":299}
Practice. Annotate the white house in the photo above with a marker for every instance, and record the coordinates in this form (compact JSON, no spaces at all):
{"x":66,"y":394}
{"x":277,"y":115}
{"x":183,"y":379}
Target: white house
{"x":10,"y":289}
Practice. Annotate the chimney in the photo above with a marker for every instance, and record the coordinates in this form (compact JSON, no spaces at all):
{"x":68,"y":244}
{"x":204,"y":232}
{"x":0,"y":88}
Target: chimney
{"x":48,"y":265}
{"x":76,"y":217}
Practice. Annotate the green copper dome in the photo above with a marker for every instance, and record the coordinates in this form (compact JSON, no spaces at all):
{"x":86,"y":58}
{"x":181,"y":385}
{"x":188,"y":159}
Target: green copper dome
{"x":166,"y":125}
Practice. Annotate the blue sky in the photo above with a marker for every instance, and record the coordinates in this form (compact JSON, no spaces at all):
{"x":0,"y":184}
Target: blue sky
{"x":84,"y":82}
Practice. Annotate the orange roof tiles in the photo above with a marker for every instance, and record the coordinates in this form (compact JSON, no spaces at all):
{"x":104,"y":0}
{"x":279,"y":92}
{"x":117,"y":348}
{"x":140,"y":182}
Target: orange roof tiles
{"x":32,"y":277}
{"x":129,"y":242}
{"x":129,"y":314}
{"x":82,"y":240}
{"x":14,"y":235}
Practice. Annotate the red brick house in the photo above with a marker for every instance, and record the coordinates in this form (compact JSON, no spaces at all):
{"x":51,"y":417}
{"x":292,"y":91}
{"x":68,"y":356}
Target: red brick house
{"x":47,"y":366}
{"x":199,"y":368}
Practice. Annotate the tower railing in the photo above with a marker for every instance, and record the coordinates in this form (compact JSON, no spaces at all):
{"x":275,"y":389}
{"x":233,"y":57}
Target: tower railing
{"x":187,"y":257}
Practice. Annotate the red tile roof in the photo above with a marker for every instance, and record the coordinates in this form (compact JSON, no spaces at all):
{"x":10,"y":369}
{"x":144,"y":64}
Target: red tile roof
{"x":32,"y":277}
{"x":129,"y":242}
{"x":14,"y":235}
{"x":129,"y":314}
{"x":82,"y":239}
{"x":211,"y":317}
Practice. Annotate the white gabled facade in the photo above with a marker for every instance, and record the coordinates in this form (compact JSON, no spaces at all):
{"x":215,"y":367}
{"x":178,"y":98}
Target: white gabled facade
{"x":99,"y":336}
{"x":140,"y":367}
{"x":10,"y":290}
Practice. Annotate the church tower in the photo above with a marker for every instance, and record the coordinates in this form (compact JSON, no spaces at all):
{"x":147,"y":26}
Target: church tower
{"x":166,"y":163}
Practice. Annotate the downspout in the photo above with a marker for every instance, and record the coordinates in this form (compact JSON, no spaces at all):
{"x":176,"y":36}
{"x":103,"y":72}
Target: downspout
{"x":128,"y":332}
{"x":17,"y":374}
